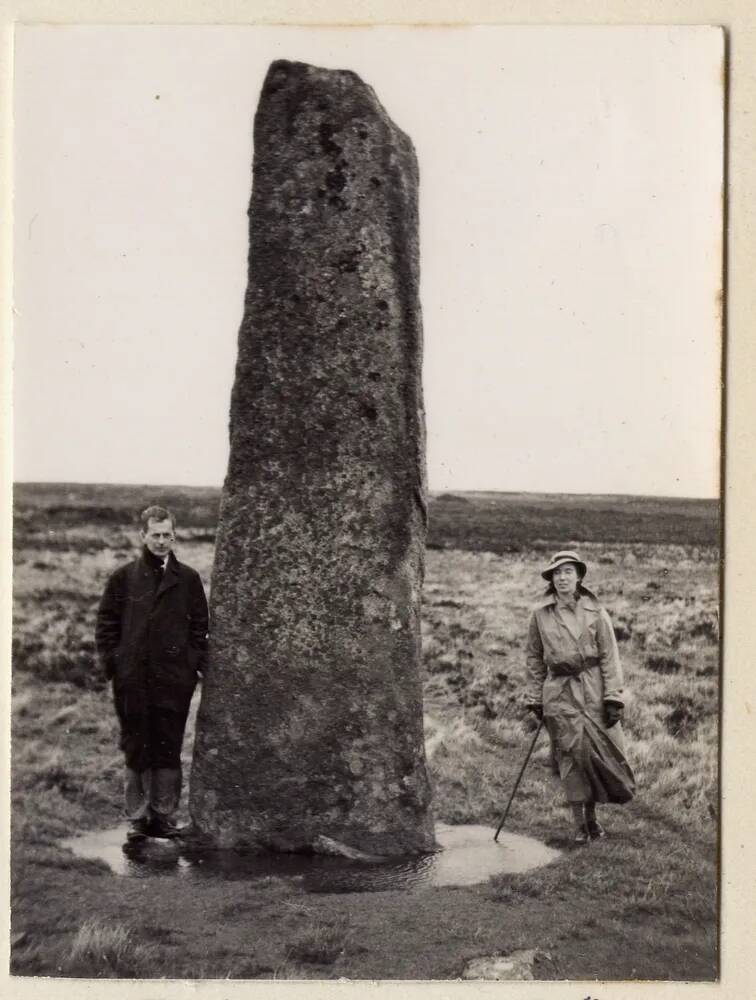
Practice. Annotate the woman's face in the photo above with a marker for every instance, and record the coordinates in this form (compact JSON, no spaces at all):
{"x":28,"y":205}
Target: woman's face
{"x":565,"y":579}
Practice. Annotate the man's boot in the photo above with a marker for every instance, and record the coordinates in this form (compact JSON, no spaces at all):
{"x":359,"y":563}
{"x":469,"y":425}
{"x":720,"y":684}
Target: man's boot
{"x":164,"y":799}
{"x":139,"y":829}
{"x":136,"y":791}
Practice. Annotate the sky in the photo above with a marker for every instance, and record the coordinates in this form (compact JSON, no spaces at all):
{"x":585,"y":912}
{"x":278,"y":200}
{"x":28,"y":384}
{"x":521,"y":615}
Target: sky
{"x":570,"y":232}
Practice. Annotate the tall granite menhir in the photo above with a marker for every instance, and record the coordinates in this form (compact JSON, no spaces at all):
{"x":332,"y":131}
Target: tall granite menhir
{"x":310,"y":724}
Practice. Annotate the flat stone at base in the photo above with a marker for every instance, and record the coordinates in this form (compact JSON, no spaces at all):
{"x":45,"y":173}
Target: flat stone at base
{"x":334,"y":848}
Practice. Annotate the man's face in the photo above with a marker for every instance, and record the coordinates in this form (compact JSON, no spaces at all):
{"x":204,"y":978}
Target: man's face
{"x":158,"y":537}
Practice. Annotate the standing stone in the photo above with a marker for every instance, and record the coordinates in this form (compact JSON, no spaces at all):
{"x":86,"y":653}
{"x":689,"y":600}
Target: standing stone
{"x":310,"y":726}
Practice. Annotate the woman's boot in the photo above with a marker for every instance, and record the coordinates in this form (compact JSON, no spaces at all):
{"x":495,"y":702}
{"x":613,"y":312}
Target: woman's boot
{"x":595,"y":829}
{"x":581,"y":830}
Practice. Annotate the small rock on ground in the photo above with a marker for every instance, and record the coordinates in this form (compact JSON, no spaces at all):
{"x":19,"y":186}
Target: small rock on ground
{"x":518,"y":965}
{"x":326,"y":845}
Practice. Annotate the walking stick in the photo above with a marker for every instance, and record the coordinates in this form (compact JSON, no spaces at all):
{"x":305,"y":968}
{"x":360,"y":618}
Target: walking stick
{"x":519,"y":778}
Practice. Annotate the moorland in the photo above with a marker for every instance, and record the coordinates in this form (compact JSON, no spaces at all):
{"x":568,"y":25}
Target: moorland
{"x":641,"y":904}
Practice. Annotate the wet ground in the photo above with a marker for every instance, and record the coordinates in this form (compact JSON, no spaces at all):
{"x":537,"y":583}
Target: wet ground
{"x":468,"y":855}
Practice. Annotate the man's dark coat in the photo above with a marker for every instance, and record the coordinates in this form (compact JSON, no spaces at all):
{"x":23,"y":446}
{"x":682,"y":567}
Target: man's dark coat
{"x":151,"y":633}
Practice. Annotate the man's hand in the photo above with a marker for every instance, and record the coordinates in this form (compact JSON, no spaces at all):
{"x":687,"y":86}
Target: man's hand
{"x":613,"y":711}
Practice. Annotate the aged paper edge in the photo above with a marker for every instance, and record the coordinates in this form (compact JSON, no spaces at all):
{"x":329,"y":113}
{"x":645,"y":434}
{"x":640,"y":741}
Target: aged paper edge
{"x":738,"y":18}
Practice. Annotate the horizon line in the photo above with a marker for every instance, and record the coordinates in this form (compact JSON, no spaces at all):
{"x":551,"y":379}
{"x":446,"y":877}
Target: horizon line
{"x":431,"y":490}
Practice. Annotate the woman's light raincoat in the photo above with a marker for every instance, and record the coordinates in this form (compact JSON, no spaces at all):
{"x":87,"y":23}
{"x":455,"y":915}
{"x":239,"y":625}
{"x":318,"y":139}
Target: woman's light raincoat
{"x":573,"y":668}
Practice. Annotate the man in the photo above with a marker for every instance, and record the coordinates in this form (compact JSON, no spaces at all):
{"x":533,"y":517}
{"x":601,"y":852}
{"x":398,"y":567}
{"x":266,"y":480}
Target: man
{"x":151,"y":637}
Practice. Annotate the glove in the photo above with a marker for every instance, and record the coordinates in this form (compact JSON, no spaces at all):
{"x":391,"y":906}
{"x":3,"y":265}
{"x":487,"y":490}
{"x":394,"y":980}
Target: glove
{"x":537,"y":711}
{"x":613,"y":711}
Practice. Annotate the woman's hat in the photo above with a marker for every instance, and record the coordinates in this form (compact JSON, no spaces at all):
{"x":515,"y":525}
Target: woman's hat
{"x":560,"y":558}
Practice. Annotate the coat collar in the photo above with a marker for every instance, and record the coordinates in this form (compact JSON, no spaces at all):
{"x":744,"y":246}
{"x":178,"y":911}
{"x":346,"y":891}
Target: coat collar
{"x":147,"y":563}
{"x":588,"y":600}
{"x":150,"y":560}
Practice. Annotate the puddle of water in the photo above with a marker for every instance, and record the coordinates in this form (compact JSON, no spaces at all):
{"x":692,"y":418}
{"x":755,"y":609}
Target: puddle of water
{"x":468,"y":855}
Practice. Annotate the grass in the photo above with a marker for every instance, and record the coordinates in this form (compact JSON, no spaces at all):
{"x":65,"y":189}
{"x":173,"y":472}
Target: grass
{"x":641,"y":904}
{"x":320,"y":944}
{"x":101,"y":950}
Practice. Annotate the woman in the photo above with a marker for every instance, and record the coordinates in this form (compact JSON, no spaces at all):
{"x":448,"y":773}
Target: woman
{"x":575,"y":687}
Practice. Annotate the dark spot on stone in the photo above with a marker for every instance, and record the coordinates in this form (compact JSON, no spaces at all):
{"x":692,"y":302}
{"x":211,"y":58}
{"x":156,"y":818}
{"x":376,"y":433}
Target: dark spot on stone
{"x":382,"y":304}
{"x":336,"y":180}
{"x":340,"y":323}
{"x":326,"y":132}
{"x":363,"y":133}
{"x":321,"y":192}
{"x":338,"y":202}
{"x":375,"y":182}
{"x":374,"y":376}
{"x":369,"y":411}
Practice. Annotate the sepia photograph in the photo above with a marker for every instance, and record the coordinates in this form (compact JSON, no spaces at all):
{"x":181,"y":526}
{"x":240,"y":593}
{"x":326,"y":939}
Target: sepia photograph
{"x":367,"y":524}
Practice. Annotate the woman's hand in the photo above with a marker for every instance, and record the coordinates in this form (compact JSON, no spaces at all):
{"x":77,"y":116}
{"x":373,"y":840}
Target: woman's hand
{"x":613,"y":711}
{"x":537,"y":711}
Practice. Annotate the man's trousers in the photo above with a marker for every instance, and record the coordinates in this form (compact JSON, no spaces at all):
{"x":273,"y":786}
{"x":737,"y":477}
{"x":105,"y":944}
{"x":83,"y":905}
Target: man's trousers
{"x":151,"y":739}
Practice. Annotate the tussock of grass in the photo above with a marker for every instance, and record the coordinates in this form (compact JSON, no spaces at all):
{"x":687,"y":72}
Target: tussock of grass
{"x":103,"y":951}
{"x":661,"y":664}
{"x":321,"y":944}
